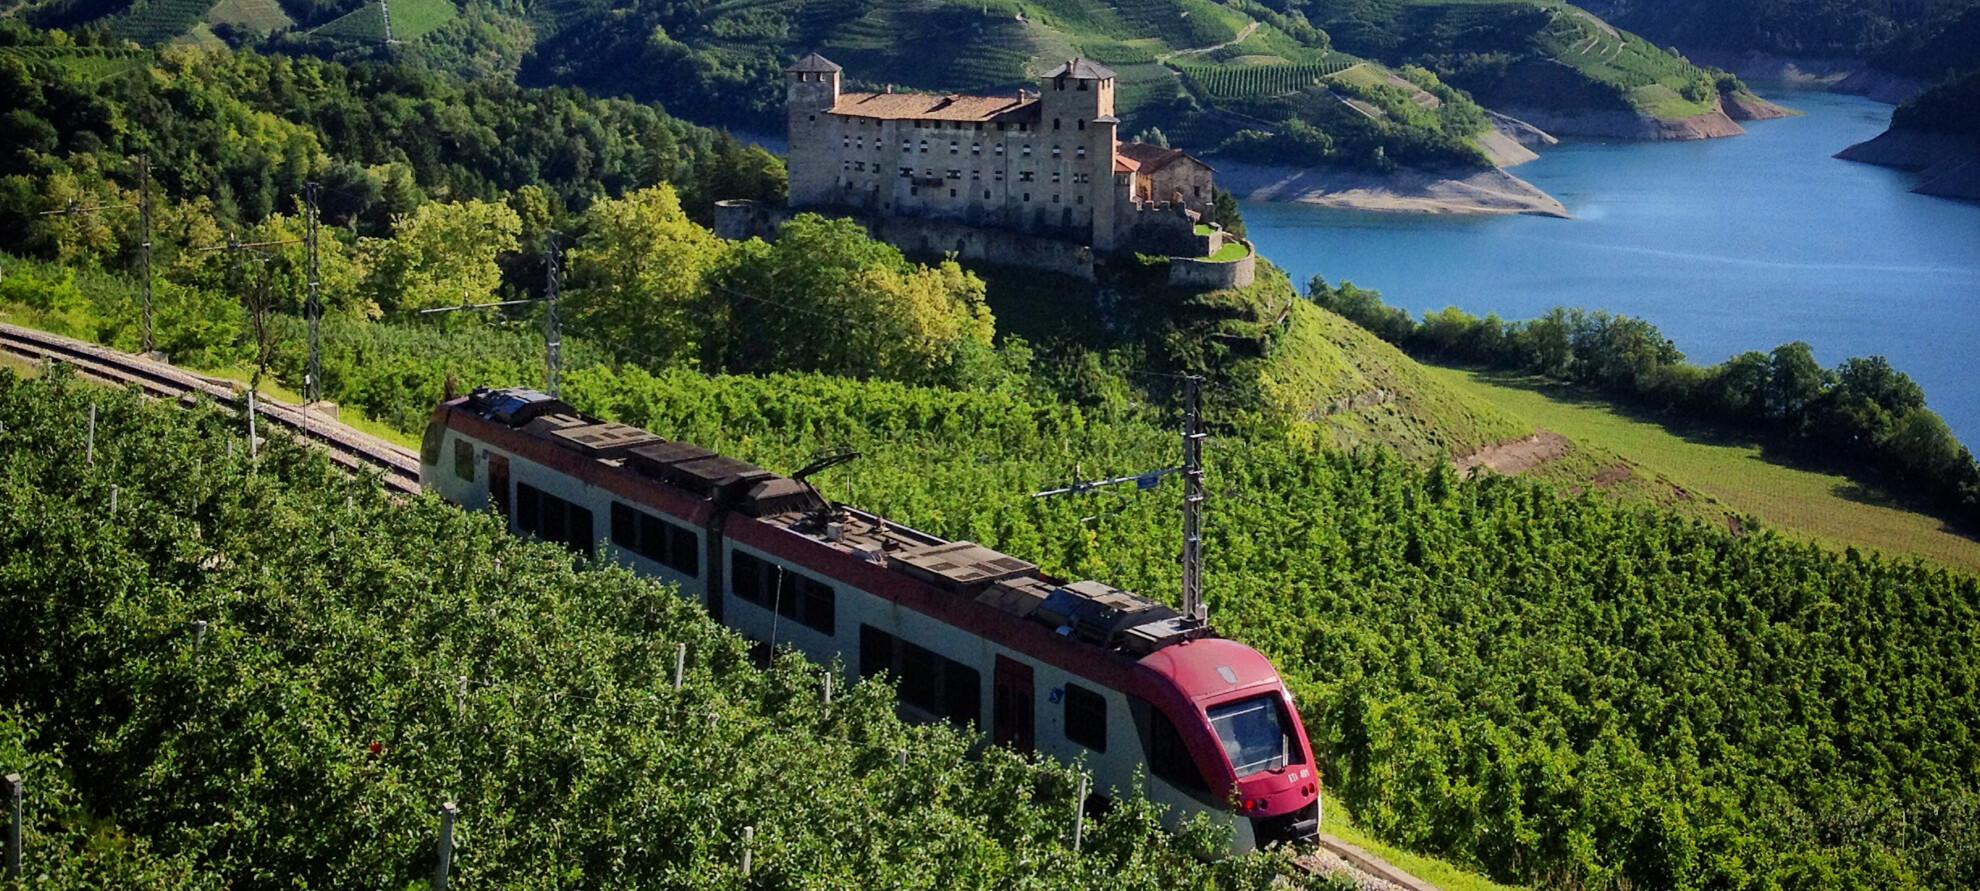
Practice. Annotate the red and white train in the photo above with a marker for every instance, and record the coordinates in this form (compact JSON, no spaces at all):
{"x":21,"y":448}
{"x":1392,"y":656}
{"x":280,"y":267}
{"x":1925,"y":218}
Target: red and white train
{"x":1072,"y":669}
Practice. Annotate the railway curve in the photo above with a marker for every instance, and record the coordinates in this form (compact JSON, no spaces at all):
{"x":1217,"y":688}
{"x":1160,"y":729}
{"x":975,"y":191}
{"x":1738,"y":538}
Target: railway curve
{"x":350,"y":448}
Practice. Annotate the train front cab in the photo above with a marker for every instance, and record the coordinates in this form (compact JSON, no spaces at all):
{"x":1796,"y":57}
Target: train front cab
{"x":1228,"y":735}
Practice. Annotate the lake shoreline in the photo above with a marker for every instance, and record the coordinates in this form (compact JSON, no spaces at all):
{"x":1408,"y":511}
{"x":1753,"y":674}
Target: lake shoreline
{"x":1408,"y":190}
{"x":1726,"y":245}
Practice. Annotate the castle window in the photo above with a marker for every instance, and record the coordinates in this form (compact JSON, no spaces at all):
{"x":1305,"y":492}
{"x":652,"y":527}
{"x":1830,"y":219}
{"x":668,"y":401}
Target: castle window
{"x":928,"y":173}
{"x":1025,"y":176}
{"x":1055,"y":123}
{"x":846,"y":165}
{"x":1055,"y":151}
{"x":1055,"y":199}
{"x":976,"y":174}
{"x":812,"y":118}
{"x":914,"y":190}
{"x":1027,"y":151}
{"x":907,"y":172}
{"x":924,"y":146}
{"x":1082,"y":85}
{"x":1079,"y":199}
{"x":1060,"y":83}
{"x":1079,"y":152}
{"x":907,"y":146}
{"x":845,"y":142}
{"x":955,"y":174}
{"x":1000,"y":176}
{"x":1197,"y":190}
{"x":1000,"y":149}
{"x":952,"y":193}
{"x":952,"y":148}
{"x":1055,"y":176}
{"x":1082,"y":124}
{"x":1027,"y":196}
{"x":859,"y":166}
{"x":986,"y":194}
{"x":976,"y":148}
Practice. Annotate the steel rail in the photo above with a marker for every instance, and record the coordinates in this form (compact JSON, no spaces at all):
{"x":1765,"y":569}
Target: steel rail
{"x":352,"y":449}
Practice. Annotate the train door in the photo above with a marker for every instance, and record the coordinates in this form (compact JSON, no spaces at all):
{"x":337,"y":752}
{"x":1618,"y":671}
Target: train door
{"x":498,"y":484}
{"x":1011,"y":711}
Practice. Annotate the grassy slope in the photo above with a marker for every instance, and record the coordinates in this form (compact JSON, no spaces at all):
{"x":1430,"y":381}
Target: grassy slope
{"x":1717,"y":474}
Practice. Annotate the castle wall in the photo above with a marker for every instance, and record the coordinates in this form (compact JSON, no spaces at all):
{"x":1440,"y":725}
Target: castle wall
{"x":1020,"y":175}
{"x":1003,"y":246}
{"x":1187,"y":180}
{"x":1209,"y":275}
{"x":1157,"y":228}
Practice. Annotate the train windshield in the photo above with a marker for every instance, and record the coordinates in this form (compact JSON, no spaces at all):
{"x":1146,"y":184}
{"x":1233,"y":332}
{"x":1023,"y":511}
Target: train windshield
{"x":1256,"y":734}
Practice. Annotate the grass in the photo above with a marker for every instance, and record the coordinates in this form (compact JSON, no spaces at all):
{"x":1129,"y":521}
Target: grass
{"x":1355,"y":389}
{"x":1232,"y":250}
{"x":350,"y":417}
{"x":1336,"y":821}
{"x":1738,"y":475}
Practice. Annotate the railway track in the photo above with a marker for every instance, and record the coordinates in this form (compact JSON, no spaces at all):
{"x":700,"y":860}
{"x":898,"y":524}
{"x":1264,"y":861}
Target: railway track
{"x":350,"y":448}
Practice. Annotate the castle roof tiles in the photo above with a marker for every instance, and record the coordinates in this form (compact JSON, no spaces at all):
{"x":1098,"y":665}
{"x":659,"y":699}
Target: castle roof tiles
{"x":1148,"y":158}
{"x":938,"y":107}
{"x":1083,"y":68}
{"x":816,"y":63}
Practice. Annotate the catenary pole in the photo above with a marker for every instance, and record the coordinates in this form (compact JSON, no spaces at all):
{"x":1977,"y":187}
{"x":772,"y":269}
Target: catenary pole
{"x":313,"y":300}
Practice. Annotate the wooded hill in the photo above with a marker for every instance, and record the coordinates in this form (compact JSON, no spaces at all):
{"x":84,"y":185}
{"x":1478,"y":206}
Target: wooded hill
{"x":1195,"y":69}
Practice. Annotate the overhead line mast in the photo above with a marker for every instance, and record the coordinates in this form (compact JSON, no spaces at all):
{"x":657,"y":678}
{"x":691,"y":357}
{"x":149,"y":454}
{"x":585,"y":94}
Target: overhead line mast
{"x":1191,"y":469}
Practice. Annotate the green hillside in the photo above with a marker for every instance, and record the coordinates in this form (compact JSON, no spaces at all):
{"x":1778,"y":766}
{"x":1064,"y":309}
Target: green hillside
{"x":1819,"y":28}
{"x":1523,"y":53}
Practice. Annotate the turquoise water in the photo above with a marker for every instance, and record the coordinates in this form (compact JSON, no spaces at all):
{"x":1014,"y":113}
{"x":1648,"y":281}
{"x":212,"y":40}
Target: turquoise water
{"x":1724,"y":244}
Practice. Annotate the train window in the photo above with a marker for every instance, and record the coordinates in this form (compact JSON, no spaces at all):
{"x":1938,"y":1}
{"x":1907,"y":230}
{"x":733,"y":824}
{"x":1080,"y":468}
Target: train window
{"x":792,"y":595}
{"x":668,"y":544}
{"x":927,"y":680}
{"x":1255,"y":734}
{"x":464,"y":459}
{"x":1086,"y":717}
{"x":429,"y":444}
{"x":553,"y":519}
{"x":1168,"y":756}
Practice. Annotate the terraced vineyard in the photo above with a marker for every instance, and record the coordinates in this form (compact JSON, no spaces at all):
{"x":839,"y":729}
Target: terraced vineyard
{"x":1265,"y":80}
{"x":410,"y":19}
{"x":84,"y":63}
{"x":156,"y":21}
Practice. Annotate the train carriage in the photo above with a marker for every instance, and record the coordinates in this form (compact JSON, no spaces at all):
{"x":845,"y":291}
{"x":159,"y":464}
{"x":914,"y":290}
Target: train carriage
{"x":968,"y":634}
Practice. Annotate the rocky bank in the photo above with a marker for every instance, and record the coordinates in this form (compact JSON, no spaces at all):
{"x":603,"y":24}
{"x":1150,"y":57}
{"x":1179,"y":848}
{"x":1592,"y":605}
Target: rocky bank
{"x":1948,"y":166}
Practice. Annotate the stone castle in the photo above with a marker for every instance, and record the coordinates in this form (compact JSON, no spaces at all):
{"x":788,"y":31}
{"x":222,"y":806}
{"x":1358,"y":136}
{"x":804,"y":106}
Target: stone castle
{"x":1036,"y":178}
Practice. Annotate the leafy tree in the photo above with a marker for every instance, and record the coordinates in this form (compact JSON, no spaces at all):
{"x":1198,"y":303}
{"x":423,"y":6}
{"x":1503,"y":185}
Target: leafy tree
{"x":640,"y":277}
{"x":1225,"y":212}
{"x":440,"y":255}
{"x":825,"y":296}
{"x":1795,"y":382}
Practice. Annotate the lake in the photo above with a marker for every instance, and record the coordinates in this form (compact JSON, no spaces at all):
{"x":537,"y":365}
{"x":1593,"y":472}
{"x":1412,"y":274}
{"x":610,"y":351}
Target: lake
{"x":1725,"y":245}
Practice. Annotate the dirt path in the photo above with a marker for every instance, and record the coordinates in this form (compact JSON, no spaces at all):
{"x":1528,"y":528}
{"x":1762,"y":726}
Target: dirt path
{"x":1514,"y":456}
{"x":1165,"y":57}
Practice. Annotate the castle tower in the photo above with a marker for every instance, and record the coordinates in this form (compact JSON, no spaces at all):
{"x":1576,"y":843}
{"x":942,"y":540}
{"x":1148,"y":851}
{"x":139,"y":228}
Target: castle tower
{"x":811,"y":90}
{"x":1076,"y":112}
